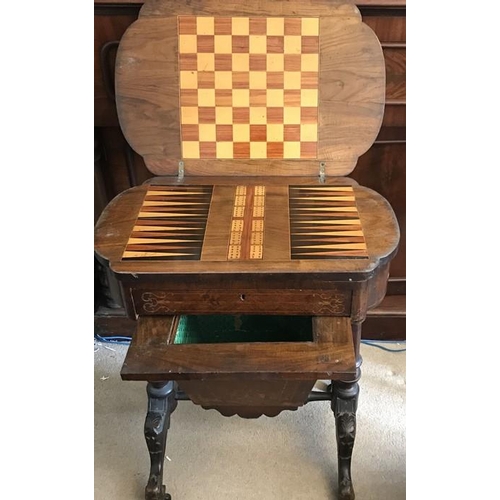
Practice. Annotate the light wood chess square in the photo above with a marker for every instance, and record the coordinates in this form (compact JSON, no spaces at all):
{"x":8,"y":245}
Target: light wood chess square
{"x":241,"y":98}
{"x":310,"y":26}
{"x":241,"y":25}
{"x":205,"y":25}
{"x":258,"y":44}
{"x":224,"y":115}
{"x":293,"y":44}
{"x":206,"y":97}
{"x":276,"y":26}
{"x":207,"y":131}
{"x":223,"y":44}
{"x":241,"y":133}
{"x":241,"y":62}
{"x":224,"y":150}
{"x":205,"y":62}
{"x":258,"y":80}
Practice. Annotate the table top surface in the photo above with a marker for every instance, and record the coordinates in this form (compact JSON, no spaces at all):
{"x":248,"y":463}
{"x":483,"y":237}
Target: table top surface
{"x":264,"y":225}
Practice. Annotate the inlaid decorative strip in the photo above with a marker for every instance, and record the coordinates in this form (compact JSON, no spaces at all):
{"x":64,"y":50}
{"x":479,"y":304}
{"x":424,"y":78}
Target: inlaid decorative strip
{"x":324,"y":223}
{"x":171,"y":224}
{"x":246,"y":240}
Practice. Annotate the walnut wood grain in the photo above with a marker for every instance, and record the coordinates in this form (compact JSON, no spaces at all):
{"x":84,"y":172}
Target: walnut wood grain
{"x":233,"y":361}
{"x":241,"y":168}
{"x":157,"y":334}
{"x":147,"y":87}
{"x":328,"y":330}
{"x":276,"y":225}
{"x":351,"y":91}
{"x":219,"y":224}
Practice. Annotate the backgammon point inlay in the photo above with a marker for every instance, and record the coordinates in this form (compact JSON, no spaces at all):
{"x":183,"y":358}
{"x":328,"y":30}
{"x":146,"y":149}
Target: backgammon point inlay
{"x":324,"y":223}
{"x":171,"y":224}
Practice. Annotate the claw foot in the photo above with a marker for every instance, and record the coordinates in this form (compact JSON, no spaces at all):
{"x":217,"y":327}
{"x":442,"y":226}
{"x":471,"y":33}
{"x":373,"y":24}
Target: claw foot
{"x":346,"y":491}
{"x":157,"y":494}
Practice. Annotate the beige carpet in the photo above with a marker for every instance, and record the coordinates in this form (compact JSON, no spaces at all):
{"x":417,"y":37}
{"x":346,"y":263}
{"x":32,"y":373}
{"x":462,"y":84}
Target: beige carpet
{"x":289,"y":457}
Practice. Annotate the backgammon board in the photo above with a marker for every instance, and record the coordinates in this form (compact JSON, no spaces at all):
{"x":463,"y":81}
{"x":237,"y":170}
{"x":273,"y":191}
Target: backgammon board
{"x":233,"y":223}
{"x":247,"y":225}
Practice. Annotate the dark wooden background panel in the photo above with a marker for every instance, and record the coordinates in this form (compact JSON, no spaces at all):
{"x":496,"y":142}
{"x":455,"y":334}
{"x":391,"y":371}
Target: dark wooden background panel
{"x":395,"y":115}
{"x":122,"y":167}
{"x":110,"y":23}
{"x":390,"y":26}
{"x":381,"y":168}
{"x":395,"y":65}
{"x":388,"y":21}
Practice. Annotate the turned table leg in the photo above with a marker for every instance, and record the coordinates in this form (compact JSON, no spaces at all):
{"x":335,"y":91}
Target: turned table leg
{"x":344,"y":405}
{"x":161,"y":403}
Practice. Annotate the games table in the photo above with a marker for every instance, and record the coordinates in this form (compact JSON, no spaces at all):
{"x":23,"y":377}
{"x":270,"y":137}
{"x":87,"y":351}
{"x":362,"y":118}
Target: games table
{"x":250,"y":260}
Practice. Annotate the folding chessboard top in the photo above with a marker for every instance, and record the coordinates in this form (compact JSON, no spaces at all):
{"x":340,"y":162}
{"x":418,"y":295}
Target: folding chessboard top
{"x":249,"y":87}
{"x":267,"y":89}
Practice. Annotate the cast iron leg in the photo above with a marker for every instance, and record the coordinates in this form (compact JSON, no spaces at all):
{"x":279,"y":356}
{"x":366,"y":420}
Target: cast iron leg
{"x":161,"y":403}
{"x":344,"y":406}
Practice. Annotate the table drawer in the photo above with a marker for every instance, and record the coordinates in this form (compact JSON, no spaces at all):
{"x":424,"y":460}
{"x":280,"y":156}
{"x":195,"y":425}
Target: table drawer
{"x":250,"y":301}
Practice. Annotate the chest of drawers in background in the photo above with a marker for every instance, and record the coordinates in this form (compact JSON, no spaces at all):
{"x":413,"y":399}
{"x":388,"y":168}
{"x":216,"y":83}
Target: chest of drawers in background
{"x":382,"y":167}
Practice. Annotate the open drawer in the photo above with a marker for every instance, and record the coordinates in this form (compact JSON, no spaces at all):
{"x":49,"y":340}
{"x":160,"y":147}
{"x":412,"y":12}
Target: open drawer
{"x":268,"y":363}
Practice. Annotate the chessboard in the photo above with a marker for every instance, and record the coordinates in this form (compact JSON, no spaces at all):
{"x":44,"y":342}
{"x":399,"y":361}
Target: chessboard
{"x":248,"y":87}
{"x":247,"y":222}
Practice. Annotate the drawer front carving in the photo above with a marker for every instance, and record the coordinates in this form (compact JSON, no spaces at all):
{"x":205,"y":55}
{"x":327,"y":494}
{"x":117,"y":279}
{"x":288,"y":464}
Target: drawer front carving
{"x":314,"y":302}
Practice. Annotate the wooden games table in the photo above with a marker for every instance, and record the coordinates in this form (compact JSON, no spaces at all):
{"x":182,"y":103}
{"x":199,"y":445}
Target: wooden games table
{"x":250,"y":261}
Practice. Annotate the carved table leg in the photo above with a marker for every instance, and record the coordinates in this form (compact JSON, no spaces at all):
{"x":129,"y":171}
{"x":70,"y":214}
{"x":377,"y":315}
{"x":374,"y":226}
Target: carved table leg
{"x":344,"y":406}
{"x":161,"y":403}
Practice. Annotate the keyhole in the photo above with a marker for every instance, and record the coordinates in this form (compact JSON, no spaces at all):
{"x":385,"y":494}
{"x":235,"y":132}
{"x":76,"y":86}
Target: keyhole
{"x":242,"y":297}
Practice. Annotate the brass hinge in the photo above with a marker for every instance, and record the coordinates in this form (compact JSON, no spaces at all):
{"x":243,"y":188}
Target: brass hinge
{"x":322,"y":174}
{"x":180,"y":172}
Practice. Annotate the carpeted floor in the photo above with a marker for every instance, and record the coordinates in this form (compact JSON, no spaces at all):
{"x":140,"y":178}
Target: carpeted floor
{"x":289,"y":457}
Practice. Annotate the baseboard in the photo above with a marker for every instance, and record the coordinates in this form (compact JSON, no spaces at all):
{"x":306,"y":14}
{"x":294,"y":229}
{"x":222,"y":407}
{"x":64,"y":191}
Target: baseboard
{"x":387,"y":321}
{"x":113,"y":322}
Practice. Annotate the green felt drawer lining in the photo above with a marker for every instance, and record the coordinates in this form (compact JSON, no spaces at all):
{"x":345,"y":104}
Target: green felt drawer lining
{"x":208,"y":329}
